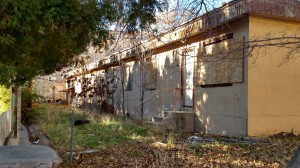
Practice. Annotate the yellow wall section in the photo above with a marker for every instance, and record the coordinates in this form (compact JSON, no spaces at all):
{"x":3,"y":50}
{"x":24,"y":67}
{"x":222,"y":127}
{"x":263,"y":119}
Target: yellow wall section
{"x":273,"y":90}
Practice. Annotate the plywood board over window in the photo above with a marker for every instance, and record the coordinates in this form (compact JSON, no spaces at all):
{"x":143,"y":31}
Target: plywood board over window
{"x":150,"y":70}
{"x":220,"y":61}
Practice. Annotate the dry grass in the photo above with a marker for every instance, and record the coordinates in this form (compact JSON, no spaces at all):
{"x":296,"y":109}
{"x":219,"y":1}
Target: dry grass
{"x":122,"y":143}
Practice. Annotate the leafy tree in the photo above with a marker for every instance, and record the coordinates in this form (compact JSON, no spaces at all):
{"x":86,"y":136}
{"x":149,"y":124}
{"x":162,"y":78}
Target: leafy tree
{"x":4,"y":99}
{"x":36,"y":36}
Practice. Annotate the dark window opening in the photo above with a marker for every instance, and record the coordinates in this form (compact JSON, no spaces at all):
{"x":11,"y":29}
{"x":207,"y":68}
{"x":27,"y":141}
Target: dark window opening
{"x":216,"y":85}
{"x":128,"y":77}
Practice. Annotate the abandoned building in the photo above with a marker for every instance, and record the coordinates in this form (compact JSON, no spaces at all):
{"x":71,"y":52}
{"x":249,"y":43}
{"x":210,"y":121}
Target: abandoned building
{"x":222,"y":73}
{"x":51,"y":88}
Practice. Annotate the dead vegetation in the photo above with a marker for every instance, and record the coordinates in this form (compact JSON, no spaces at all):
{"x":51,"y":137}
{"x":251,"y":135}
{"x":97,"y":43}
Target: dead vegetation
{"x":110,"y":141}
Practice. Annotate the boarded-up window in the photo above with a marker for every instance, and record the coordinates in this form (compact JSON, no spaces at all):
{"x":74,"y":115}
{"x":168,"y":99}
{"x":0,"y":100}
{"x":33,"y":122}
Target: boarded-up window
{"x":150,"y":73}
{"x":128,"y":78}
{"x":220,"y":62}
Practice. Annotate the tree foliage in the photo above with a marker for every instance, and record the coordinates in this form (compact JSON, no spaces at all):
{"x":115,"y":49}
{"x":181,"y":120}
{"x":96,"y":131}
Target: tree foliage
{"x":36,"y":36}
{"x":4,"y":98}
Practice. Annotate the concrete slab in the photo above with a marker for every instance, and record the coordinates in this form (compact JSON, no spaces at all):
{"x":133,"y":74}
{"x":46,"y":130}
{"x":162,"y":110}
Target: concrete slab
{"x":22,"y":140}
{"x":25,"y":156}
{"x":180,"y":120}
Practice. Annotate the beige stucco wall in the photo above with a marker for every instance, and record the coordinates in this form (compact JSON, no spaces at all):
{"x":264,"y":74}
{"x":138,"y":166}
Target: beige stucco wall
{"x":273,"y":90}
{"x":168,"y":77}
{"x":219,"y":110}
{"x":267,"y":104}
{"x":159,"y":99}
{"x":167,"y":95}
{"x":223,"y":110}
{"x":131,"y":97}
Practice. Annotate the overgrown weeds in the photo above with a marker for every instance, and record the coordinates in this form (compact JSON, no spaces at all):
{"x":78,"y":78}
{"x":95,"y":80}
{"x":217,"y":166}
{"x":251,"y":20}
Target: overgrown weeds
{"x":123,"y":143}
{"x":104,"y":130}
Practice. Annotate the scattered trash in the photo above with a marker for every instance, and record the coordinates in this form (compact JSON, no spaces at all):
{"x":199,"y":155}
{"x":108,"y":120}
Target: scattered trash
{"x":245,"y":140}
{"x":197,"y":139}
{"x":37,"y":136}
{"x":194,"y":139}
{"x":36,"y":142}
{"x":78,"y":155}
{"x":89,"y":151}
{"x":34,"y":133}
{"x":159,"y":144}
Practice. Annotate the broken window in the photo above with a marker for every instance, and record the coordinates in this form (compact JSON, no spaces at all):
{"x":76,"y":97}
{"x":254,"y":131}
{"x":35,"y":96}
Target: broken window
{"x":150,"y":73}
{"x":220,"y":61}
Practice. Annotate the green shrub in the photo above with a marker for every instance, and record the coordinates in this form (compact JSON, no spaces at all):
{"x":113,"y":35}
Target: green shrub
{"x":26,"y":100}
{"x":4,"y":98}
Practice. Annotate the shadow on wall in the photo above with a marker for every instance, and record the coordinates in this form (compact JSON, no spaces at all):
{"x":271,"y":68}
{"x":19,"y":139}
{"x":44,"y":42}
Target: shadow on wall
{"x":166,"y":95}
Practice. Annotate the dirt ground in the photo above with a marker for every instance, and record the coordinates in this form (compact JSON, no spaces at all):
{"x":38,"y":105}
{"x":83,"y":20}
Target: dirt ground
{"x":269,"y":152}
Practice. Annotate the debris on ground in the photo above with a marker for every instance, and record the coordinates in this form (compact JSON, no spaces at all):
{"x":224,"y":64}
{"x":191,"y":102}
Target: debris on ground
{"x":122,"y":143}
{"x":243,"y":140}
{"x":37,"y":136}
{"x":246,"y":140}
{"x":285,"y":135}
{"x":81,"y":122}
{"x":159,"y":145}
{"x":197,"y":139}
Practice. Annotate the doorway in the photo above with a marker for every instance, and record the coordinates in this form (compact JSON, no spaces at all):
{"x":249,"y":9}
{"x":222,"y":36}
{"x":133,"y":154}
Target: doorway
{"x":188,"y":77}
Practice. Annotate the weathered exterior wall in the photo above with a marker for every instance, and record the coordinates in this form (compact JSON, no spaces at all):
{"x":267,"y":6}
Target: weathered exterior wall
{"x":273,"y":87}
{"x":167,"y":95}
{"x":246,"y":101}
{"x":50,"y":88}
{"x":133,"y":95}
{"x":5,"y":126}
{"x":222,"y":110}
{"x":11,"y":120}
{"x":168,"y":76}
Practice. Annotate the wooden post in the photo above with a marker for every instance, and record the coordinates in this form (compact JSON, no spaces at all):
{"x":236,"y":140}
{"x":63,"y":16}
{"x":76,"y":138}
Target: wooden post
{"x":14,"y":111}
{"x":19,"y":106}
{"x":11,"y":111}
